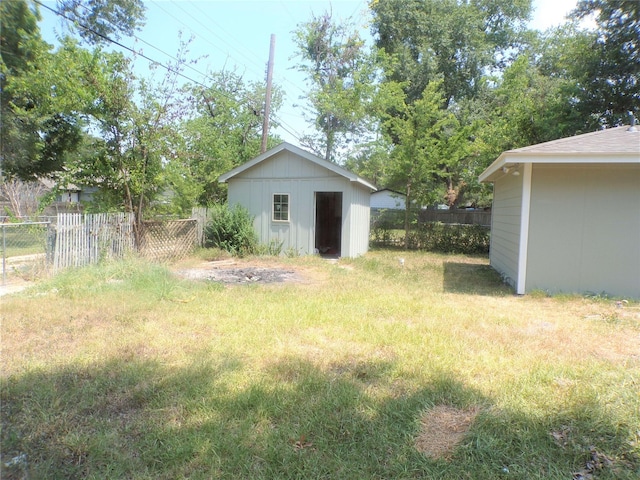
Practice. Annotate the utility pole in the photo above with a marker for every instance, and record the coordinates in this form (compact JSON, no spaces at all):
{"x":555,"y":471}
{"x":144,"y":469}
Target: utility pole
{"x":267,"y":102}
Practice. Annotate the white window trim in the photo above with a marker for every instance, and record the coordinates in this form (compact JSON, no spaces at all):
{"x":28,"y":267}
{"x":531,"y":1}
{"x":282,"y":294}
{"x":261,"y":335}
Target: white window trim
{"x":273,"y":211}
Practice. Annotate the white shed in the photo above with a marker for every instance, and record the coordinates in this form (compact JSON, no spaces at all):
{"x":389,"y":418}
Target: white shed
{"x":566,"y":214}
{"x":388,"y":199}
{"x":303,"y":202}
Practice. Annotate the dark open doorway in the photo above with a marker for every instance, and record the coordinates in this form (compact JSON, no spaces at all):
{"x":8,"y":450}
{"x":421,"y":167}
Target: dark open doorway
{"x":328,"y":222}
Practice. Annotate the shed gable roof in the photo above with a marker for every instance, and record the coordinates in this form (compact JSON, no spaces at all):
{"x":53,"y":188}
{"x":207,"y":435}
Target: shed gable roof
{"x":612,"y":145}
{"x":300,"y":153}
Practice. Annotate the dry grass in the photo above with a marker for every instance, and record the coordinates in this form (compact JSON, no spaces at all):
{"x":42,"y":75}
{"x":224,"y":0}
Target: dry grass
{"x":442,"y":429}
{"x":126,"y":371}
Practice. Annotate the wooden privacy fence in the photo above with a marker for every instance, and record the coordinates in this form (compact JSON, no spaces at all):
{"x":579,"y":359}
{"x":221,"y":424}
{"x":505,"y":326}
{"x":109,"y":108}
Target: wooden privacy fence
{"x":168,"y":240}
{"x":85,"y":239}
{"x":461,"y":216}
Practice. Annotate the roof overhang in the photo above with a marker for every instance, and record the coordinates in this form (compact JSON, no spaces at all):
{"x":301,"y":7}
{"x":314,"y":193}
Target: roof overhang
{"x":302,"y":153}
{"x":508,"y":161}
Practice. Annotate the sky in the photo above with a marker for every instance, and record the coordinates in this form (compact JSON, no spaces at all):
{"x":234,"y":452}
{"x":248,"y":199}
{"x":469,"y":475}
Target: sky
{"x":236,"y":34}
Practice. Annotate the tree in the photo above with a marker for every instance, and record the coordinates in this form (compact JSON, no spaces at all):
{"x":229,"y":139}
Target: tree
{"x":370,"y":160}
{"x":429,"y":144}
{"x":24,"y":197}
{"x":458,"y":41}
{"x":36,"y":133}
{"x":131,"y":122}
{"x":223,"y":130}
{"x":97,"y":20}
{"x":454,"y":44}
{"x":609,"y":70}
{"x":340,"y":73}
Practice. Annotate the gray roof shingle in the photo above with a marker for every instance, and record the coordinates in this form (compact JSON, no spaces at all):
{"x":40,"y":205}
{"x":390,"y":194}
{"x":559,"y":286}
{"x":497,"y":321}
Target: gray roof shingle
{"x":611,"y":140}
{"x":613,"y":145}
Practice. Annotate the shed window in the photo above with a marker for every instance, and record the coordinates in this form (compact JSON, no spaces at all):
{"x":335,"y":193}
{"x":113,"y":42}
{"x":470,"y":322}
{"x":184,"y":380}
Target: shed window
{"x":280,"y":207}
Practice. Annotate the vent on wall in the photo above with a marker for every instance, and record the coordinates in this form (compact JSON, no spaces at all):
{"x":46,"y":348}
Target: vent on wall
{"x":632,"y":119}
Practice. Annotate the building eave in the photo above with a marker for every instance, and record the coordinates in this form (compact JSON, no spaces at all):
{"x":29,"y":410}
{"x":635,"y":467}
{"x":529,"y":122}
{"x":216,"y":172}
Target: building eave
{"x":225,"y":177}
{"x":511,"y":159}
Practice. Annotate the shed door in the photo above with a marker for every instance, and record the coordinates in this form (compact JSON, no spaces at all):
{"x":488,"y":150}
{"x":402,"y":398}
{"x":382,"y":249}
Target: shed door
{"x":328,"y":222}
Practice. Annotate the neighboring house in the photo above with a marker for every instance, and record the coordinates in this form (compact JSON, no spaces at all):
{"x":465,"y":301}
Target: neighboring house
{"x":566,"y":214}
{"x":69,"y":194}
{"x":71,"y":198}
{"x":305,"y":203}
{"x":387,"y":199}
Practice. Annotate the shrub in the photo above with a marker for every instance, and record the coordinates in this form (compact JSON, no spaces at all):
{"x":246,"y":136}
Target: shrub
{"x":450,"y":238}
{"x":231,"y":229}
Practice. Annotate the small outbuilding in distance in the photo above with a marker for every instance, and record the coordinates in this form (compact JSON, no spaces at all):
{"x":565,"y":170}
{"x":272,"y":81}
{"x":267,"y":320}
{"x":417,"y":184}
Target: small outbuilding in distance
{"x":566,"y":214}
{"x":387,"y":199}
{"x":304,"y":203}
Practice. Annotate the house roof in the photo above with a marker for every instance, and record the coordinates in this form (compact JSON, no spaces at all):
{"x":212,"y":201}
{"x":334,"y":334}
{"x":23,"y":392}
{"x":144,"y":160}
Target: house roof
{"x":394,"y":192}
{"x":51,"y":183}
{"x":612,"y":145}
{"x":301,"y":153}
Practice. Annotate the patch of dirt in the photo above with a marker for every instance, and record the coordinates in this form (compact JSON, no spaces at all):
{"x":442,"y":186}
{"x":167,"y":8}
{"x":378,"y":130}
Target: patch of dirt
{"x":441,"y":430}
{"x":228,"y":272}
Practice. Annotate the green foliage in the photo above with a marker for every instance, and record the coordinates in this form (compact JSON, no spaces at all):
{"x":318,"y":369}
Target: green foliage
{"x":272,"y":249}
{"x":434,"y":237}
{"x":608,"y":70}
{"x":231,"y":229}
{"x":430,"y":146}
{"x":453,"y":40}
{"x":448,"y":238}
{"x":38,"y":130}
{"x":340,"y":73}
{"x":97,"y":19}
{"x":223,"y":130}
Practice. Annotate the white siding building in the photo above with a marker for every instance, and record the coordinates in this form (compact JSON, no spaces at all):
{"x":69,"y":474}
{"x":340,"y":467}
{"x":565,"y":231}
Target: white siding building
{"x":566,"y":214}
{"x":387,"y":199}
{"x":305,"y":203}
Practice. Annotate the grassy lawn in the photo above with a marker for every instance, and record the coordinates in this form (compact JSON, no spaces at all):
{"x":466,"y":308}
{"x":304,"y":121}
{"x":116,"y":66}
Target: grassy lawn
{"x":356,"y":371}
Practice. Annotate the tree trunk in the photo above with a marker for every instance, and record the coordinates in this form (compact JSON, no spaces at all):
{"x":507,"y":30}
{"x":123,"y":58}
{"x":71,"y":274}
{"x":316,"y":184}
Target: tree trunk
{"x":407,"y":211}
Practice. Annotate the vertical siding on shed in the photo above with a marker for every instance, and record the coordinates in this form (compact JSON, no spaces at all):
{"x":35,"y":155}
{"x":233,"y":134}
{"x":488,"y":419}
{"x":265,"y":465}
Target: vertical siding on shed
{"x":285,"y":172}
{"x":359,"y":217}
{"x":584,"y":231}
{"x":505,"y":226}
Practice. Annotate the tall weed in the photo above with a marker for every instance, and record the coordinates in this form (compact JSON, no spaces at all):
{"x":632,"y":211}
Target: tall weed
{"x":231,"y":229}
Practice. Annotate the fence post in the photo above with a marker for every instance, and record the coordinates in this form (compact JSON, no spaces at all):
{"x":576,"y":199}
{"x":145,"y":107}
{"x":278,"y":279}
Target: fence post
{"x":4,"y":255}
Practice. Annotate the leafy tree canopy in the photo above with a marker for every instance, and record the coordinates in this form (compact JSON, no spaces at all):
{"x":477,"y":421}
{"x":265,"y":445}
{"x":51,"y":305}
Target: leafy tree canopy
{"x":609,"y":69}
{"x":340,"y":72}
{"x":453,"y":39}
{"x":97,"y":20}
{"x":222,"y":131}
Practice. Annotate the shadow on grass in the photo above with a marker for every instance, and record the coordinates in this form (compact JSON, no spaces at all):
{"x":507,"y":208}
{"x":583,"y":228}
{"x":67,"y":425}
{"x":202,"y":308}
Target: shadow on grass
{"x":472,"y":278}
{"x":135,"y":418}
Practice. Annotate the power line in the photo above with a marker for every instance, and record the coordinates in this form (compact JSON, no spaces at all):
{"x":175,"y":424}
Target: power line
{"x":156,"y":62}
{"x":231,"y":45}
{"x":129,"y":49}
{"x":202,"y":37}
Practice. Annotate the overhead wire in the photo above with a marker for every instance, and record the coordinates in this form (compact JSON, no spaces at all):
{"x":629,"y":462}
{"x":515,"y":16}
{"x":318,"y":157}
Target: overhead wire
{"x":125,"y":47}
{"x":204,"y":38}
{"x":277,"y":77}
{"x":236,"y":43}
{"x":168,"y":68}
{"x":277,"y":117}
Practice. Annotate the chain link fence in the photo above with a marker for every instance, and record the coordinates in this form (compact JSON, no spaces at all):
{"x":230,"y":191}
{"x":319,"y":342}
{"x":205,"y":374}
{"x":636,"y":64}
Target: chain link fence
{"x":27,"y":249}
{"x":34,"y":248}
